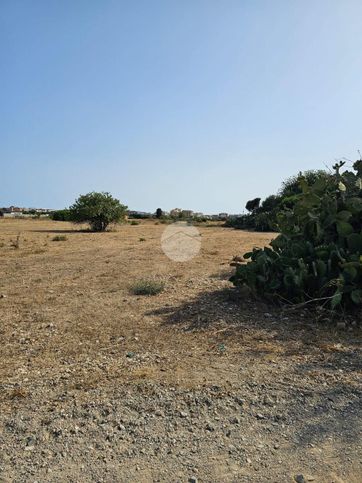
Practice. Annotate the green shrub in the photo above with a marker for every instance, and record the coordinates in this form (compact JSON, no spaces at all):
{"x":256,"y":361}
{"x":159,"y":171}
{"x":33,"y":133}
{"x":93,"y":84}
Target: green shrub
{"x":134,"y":223}
{"x":147,"y":287}
{"x":142,"y":239}
{"x":318,"y":254}
{"x":61,"y":215}
{"x":253,"y":221}
{"x":58,"y":238}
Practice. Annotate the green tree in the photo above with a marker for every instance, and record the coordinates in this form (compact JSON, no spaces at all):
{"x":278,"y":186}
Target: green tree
{"x":97,"y":209}
{"x":159,"y":213}
{"x":252,"y":205}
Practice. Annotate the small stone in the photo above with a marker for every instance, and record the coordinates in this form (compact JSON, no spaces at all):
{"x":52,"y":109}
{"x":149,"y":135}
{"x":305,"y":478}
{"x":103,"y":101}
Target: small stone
{"x":239,"y":400}
{"x":259,"y":416}
{"x":341,"y":325}
{"x":2,"y":296}
{"x":268,"y":401}
{"x":300,"y":479}
{"x":210,"y":427}
{"x":193,"y":479}
{"x":183,"y":414}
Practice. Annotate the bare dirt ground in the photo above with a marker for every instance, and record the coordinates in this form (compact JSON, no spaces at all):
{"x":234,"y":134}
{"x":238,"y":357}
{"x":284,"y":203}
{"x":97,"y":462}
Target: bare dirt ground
{"x":193,"y":384}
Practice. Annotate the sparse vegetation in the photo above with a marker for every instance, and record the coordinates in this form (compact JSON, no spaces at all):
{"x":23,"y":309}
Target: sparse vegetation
{"x":134,"y":222}
{"x":147,"y":287}
{"x":192,"y":342}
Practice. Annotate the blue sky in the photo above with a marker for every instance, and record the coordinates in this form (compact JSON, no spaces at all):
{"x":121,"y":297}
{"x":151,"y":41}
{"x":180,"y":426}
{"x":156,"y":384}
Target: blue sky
{"x":198,"y":104}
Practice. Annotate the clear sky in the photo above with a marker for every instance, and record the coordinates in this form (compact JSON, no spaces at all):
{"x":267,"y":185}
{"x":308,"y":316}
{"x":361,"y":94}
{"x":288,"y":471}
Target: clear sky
{"x":197,"y":104}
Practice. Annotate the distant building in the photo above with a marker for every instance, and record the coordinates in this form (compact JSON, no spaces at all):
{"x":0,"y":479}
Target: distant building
{"x":176,"y":213}
{"x":15,"y":211}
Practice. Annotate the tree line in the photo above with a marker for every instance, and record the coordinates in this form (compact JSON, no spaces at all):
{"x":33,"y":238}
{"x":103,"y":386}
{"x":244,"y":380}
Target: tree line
{"x":262,"y":216}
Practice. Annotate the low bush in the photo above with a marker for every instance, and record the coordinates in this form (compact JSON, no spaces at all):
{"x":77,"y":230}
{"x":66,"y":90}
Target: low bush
{"x":134,"y":222}
{"x":317,"y":258}
{"x":16,"y":243}
{"x":61,"y":215}
{"x":147,"y":287}
{"x":58,"y":238}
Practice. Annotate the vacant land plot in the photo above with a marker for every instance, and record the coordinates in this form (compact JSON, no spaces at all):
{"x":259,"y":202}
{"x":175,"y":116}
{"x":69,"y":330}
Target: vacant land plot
{"x":190,"y":384}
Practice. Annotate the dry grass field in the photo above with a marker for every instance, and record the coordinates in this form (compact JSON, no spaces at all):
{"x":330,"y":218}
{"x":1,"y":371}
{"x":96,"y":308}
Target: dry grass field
{"x":197,"y":383}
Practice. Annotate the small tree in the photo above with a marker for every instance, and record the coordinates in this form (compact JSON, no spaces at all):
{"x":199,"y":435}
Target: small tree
{"x":97,"y":209}
{"x":159,"y":213}
{"x":252,"y":205}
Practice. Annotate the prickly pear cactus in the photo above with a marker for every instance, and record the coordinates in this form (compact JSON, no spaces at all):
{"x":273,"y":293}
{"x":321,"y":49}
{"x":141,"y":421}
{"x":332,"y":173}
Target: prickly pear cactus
{"x":318,"y":254}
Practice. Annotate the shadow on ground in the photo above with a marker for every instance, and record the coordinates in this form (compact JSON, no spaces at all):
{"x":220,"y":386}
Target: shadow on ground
{"x":317,"y":366}
{"x":239,"y":311}
{"x":64,"y":231}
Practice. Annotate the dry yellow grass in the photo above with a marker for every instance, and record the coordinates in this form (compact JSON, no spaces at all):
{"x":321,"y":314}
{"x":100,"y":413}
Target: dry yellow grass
{"x":66,"y":302}
{"x":69,"y":303}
